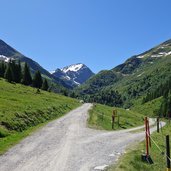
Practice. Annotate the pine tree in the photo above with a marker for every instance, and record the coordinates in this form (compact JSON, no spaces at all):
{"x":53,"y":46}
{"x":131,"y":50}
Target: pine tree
{"x":45,"y":85}
{"x":18,"y":73}
{"x":169,"y":105}
{"x":8,"y":73}
{"x":37,"y":80}
{"x":2,"y":69}
{"x":27,"y":79}
{"x":13,"y":69}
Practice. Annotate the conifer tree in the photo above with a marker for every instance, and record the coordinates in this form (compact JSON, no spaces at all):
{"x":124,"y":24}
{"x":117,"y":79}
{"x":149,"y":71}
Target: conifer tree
{"x":8,"y":73}
{"x":2,"y":69}
{"x":27,"y":79}
{"x":45,"y":85}
{"x":13,"y":68}
{"x":169,"y":105}
{"x":18,"y":73}
{"x":37,"y":80}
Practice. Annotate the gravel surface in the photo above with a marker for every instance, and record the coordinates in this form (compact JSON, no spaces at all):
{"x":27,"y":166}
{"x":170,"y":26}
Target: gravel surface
{"x":67,"y":144}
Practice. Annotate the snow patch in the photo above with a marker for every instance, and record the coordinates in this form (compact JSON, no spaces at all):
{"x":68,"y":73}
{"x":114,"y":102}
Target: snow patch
{"x":76,"y":82}
{"x":168,"y":53}
{"x":141,"y":56}
{"x":67,"y":78}
{"x":52,"y":72}
{"x":5,"y":58}
{"x":101,"y":167}
{"x":160,"y":54}
{"x":74,"y":68}
{"x":156,"y":56}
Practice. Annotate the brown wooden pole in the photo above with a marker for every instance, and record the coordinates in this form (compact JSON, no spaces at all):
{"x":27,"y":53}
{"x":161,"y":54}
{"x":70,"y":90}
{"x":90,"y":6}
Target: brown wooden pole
{"x":158,"y":124}
{"x":146,"y":133}
{"x":168,"y":153}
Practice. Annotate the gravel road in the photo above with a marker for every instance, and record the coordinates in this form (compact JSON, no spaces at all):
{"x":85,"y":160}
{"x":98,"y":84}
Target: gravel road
{"x":67,"y":144}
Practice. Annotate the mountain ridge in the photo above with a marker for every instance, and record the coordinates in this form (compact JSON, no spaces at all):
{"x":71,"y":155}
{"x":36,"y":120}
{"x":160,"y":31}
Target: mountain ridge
{"x":6,"y":51}
{"x":132,"y":79}
{"x":74,"y":74}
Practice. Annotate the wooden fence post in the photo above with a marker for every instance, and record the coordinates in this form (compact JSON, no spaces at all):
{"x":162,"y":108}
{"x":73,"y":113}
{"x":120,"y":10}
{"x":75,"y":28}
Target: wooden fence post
{"x":158,"y":124}
{"x":168,"y":153}
{"x":113,"y":119}
{"x":146,"y":157}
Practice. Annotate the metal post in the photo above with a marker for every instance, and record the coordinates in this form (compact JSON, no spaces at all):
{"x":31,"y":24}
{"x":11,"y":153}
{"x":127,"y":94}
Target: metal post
{"x":168,"y":153}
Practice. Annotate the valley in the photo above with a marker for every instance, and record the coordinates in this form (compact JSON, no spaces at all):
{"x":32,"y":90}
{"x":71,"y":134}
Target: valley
{"x":32,"y":119}
{"x":67,"y":144}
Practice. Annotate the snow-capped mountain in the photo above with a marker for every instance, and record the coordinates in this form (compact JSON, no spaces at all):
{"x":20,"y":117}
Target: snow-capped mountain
{"x":74,"y":68}
{"x":8,"y":53}
{"x":5,"y":58}
{"x":73,"y":75}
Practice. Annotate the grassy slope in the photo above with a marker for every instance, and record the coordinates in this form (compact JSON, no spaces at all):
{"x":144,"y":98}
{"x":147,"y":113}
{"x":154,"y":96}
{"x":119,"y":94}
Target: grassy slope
{"x":22,"y":110}
{"x":127,"y":119}
{"x":131,"y":161}
{"x":148,"y":109}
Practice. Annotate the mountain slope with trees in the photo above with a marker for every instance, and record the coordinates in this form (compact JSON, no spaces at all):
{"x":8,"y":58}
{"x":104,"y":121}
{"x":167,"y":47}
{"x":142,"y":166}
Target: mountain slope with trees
{"x":8,"y":53}
{"x":132,"y":80}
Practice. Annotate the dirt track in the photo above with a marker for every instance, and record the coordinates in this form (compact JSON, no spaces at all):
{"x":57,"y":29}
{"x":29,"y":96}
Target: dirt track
{"x":67,"y":144}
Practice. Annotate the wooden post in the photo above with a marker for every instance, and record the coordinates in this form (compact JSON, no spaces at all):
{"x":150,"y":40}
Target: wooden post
{"x":147,"y":139}
{"x":168,"y":153}
{"x":113,"y":119}
{"x":146,"y":157}
{"x":158,"y":124}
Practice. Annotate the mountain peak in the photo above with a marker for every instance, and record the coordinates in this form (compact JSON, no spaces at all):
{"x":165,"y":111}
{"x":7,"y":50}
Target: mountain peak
{"x":74,"y":74}
{"x":73,"y":67}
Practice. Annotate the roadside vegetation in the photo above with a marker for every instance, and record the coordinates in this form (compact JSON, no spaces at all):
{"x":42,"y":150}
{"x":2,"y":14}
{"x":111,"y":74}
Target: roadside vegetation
{"x":100,"y":117}
{"x":149,"y":109}
{"x":131,"y":161}
{"x":23,"y":109}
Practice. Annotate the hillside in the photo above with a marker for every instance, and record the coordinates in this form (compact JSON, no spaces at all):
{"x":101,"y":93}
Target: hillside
{"x":7,"y":52}
{"x":22,"y":109}
{"x":131,"y":80}
{"x":100,"y":117}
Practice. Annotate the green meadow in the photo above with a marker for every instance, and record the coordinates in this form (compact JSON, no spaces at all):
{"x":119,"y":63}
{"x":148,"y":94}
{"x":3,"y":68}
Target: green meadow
{"x":23,"y":109}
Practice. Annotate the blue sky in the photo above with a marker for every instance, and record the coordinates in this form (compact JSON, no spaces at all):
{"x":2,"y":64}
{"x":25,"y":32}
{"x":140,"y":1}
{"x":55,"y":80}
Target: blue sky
{"x":99,"y":33}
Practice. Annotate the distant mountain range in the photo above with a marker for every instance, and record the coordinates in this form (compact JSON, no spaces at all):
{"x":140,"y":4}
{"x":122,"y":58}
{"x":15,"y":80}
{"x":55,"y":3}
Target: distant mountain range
{"x":137,"y":76}
{"x":73,"y":75}
{"x":123,"y":85}
{"x":67,"y":77}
